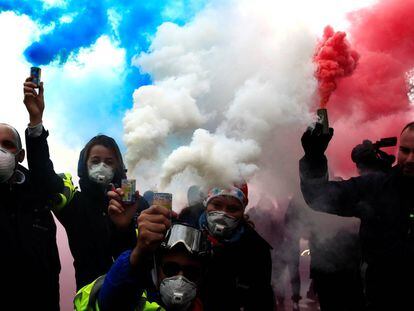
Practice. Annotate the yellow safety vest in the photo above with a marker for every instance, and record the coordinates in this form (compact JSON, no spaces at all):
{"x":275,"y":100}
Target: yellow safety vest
{"x":86,"y":298}
{"x":64,"y":198}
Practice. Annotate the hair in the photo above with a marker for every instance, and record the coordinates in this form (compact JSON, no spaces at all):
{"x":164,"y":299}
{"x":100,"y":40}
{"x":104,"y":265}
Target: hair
{"x":409,"y":126}
{"x":107,"y":142}
{"x":17,"y":138}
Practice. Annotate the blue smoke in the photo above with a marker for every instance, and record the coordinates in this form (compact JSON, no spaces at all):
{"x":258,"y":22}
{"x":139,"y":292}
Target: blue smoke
{"x":69,"y":37}
{"x":78,"y":24}
{"x":137,"y":21}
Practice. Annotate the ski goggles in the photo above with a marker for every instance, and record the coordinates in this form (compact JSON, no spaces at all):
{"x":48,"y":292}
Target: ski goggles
{"x":191,"y":238}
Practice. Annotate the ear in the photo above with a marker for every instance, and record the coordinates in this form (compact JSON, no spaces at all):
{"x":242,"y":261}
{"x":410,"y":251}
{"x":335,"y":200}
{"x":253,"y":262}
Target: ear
{"x":20,"y":156}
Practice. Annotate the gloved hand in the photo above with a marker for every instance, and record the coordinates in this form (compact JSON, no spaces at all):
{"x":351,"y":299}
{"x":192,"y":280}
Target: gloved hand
{"x":314,"y":142}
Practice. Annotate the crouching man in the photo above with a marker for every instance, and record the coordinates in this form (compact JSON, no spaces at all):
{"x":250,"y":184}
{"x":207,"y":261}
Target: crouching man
{"x":163,"y":272}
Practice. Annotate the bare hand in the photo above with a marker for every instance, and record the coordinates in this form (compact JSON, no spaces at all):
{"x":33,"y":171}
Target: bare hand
{"x":153,"y":224}
{"x":120,"y":213}
{"x":34,"y":102}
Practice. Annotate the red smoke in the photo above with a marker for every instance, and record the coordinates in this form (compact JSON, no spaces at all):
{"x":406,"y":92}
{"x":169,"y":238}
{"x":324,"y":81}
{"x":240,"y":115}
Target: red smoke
{"x":334,"y":60}
{"x":373,"y":102}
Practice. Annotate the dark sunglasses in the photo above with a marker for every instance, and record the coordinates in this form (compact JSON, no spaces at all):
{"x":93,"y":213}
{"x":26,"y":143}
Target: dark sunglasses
{"x":170,"y":269}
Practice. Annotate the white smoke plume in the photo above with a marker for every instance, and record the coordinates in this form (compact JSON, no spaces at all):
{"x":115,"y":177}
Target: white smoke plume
{"x":230,"y":97}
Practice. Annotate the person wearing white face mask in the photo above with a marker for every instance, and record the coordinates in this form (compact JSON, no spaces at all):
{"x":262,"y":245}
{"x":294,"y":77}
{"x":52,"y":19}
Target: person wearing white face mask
{"x":93,"y":239}
{"x":239,"y":272}
{"x":164,"y":271}
{"x":29,"y":262}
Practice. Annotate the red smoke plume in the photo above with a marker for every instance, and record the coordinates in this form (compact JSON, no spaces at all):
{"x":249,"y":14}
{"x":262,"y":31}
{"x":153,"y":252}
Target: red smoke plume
{"x":334,"y":59}
{"x":373,"y":102}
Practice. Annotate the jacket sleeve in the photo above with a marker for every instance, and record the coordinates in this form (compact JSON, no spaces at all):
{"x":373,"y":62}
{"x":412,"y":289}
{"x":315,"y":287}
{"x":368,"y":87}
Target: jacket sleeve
{"x":123,"y":285}
{"x":46,"y":181}
{"x":334,"y":197}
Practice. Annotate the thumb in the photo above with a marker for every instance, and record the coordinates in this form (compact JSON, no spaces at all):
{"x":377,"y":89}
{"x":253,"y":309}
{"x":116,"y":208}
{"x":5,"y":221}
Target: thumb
{"x":41,"y":89}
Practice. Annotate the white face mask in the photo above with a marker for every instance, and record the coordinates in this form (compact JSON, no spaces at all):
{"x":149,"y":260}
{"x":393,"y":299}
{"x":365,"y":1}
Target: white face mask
{"x":220,"y":224}
{"x":177,"y":292}
{"x":101,"y":173}
{"x":7,"y":165}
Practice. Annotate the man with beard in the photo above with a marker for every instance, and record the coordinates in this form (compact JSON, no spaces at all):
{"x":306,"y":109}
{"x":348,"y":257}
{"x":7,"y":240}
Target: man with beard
{"x":385,"y":205}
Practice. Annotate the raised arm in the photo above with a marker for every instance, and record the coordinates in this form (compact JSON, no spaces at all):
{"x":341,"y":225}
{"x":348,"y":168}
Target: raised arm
{"x":38,"y":158}
{"x":129,"y":276}
{"x":338,"y":198}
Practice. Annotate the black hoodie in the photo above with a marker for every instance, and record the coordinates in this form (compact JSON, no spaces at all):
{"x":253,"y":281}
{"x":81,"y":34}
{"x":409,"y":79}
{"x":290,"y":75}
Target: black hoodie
{"x":93,"y":240}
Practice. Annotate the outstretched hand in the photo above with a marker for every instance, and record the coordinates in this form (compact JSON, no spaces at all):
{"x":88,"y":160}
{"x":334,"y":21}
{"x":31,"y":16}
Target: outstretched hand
{"x":121,"y":213}
{"x":315,"y":142}
{"x":34,"y":101}
{"x":153,"y":224}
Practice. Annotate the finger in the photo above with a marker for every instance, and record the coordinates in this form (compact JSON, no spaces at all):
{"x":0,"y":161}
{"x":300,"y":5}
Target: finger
{"x":158,"y":219}
{"x":154,"y":227}
{"x":112,"y":209}
{"x":29,"y":79}
{"x":114,"y":195}
{"x":156,"y":209}
{"x":117,"y":205}
{"x":27,"y":89}
{"x":120,"y":191}
{"x":30,"y":84}
{"x":41,"y":89}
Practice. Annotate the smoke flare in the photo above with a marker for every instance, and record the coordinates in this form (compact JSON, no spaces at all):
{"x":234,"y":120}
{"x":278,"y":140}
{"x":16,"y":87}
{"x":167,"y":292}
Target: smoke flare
{"x":335,"y":60}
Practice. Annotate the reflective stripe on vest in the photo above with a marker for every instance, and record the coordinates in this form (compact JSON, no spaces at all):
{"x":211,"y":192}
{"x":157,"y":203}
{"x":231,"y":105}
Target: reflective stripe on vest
{"x":86,"y":298}
{"x":68,"y":192}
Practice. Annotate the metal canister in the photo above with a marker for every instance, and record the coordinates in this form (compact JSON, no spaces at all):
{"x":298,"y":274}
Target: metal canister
{"x":162,"y":199}
{"x":323,"y":119}
{"x":35,"y":74}
{"x":128,"y":187}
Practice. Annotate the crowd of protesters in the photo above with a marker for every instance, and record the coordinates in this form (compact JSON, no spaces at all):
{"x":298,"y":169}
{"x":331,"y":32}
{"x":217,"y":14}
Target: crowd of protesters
{"x":143,"y":256}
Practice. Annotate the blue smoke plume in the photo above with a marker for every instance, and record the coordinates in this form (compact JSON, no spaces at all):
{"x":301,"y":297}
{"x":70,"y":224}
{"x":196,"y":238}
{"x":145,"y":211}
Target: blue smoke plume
{"x":76,"y":24}
{"x":136,"y":21}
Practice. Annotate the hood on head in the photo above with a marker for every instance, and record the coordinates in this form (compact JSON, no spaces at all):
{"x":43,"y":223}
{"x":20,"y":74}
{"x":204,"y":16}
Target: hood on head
{"x":108,"y":142}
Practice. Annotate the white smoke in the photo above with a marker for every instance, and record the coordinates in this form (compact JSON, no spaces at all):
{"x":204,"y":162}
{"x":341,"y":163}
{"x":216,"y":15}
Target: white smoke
{"x":230,"y":98}
{"x":217,"y":159}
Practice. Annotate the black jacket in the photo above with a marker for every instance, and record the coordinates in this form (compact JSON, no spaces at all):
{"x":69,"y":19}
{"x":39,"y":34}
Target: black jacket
{"x":384,"y":203}
{"x":29,"y":261}
{"x":93,"y":239}
{"x":239,"y":275}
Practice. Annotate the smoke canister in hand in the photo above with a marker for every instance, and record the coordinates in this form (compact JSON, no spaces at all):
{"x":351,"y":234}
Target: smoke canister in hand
{"x":162,"y":199}
{"x":323,"y":119}
{"x":128,"y":187}
{"x":35,"y":74}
